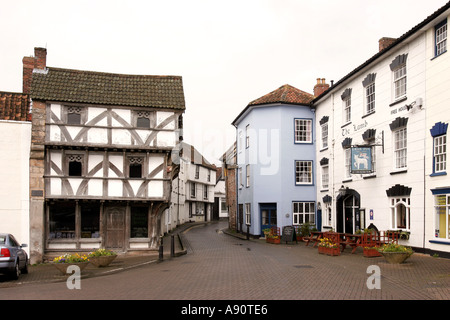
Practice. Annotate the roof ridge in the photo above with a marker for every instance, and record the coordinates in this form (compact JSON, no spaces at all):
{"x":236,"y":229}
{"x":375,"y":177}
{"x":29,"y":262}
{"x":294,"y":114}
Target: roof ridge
{"x":112,"y":73}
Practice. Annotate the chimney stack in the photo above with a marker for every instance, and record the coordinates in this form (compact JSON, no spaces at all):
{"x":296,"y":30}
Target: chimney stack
{"x":39,"y":61}
{"x":385,"y":42}
{"x":320,"y":87}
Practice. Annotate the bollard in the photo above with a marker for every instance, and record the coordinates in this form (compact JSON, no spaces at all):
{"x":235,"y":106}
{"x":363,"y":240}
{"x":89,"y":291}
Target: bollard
{"x":172,"y":246}
{"x":161,"y":249}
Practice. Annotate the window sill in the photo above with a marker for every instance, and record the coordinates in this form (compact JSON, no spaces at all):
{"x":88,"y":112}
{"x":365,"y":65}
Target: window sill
{"x":323,"y":149}
{"x":437,"y":174}
{"x":447,"y":242}
{"x":346,"y":124}
{"x":372,"y":176}
{"x":324,"y":190}
{"x":437,"y":56}
{"x":399,"y":172}
{"x":368,"y":114}
{"x":347,"y":180}
{"x":398,"y":101}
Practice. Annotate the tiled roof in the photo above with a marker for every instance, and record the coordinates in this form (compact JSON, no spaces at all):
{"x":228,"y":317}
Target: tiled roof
{"x":284,"y":94}
{"x":68,"y":85}
{"x":14,"y":106}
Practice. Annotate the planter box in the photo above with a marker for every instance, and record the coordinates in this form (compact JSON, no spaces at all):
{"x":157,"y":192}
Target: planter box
{"x":273,"y":240}
{"x":329,"y":251}
{"x":371,"y":253}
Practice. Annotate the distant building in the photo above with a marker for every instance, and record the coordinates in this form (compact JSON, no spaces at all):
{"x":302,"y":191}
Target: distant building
{"x":276,"y":160}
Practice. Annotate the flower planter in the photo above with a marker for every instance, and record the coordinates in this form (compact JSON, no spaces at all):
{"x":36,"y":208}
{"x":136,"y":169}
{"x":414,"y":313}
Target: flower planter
{"x":329,"y":251}
{"x":333,"y":252}
{"x":368,"y":253}
{"x":102,"y":261}
{"x":62,"y":267}
{"x":396,"y":257}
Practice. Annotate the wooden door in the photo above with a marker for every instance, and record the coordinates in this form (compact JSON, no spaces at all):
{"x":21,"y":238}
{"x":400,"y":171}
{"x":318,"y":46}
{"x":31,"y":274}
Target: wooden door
{"x":115,"y":228}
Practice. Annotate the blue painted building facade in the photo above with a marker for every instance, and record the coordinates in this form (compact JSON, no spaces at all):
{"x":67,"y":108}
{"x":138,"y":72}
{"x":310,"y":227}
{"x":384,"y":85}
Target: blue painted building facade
{"x":276,"y":159}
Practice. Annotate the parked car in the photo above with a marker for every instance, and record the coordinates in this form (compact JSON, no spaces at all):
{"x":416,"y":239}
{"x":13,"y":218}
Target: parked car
{"x":13,"y":259}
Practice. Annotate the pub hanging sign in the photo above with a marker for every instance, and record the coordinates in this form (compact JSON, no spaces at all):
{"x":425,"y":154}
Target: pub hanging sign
{"x":361,"y":160}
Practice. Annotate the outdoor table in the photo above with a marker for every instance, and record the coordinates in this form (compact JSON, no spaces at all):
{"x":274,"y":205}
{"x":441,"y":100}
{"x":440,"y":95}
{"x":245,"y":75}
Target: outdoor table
{"x":315,"y":237}
{"x":352,"y":240}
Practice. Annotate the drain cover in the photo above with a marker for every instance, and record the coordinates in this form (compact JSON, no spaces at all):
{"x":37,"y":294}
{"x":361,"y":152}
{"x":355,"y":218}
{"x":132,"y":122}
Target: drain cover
{"x":304,"y":266}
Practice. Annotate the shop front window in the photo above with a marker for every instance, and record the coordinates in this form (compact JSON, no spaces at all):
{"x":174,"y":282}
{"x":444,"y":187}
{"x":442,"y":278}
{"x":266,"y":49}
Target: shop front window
{"x":139,"y":222}
{"x":62,"y":220}
{"x":442,"y":218}
{"x":90,"y":220}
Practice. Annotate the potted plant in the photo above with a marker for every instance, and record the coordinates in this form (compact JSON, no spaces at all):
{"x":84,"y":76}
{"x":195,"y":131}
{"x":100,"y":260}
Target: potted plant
{"x":304,"y":230}
{"x":102,"y":257}
{"x":395,"y":253}
{"x":369,"y":252}
{"x":64,"y":261}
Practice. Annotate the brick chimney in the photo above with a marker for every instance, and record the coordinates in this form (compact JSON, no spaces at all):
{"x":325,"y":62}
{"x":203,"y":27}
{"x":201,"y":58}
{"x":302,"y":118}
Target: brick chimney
{"x":385,"y":42}
{"x":39,"y":61}
{"x":320,"y":87}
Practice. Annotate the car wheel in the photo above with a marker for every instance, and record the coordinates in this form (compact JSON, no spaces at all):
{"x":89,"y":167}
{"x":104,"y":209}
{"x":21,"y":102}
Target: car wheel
{"x":25,"y":268}
{"x":16,"y":273}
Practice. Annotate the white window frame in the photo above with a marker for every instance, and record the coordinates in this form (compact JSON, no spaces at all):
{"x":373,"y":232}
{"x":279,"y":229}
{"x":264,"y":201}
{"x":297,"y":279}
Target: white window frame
{"x":347,"y":109}
{"x":324,"y":134}
{"x":347,"y":163}
{"x":395,"y":204}
{"x":303,"y":131}
{"x":304,"y":172}
{"x":248,"y":214}
{"x":193,"y":190}
{"x":440,"y":153}
{"x":325,"y":177}
{"x":400,"y":147}
{"x":247,"y":136}
{"x":241,"y":178}
{"x":399,"y":82}
{"x":247,"y":172}
{"x":303,"y":212}
{"x":370,"y":98}
{"x":441,"y":38}
{"x":205,"y":191}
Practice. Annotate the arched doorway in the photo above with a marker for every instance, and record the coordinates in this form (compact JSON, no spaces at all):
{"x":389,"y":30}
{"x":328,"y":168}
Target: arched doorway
{"x":348,"y":211}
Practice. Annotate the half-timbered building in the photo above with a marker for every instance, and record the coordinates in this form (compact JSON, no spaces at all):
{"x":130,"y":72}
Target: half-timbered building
{"x":100,"y":164}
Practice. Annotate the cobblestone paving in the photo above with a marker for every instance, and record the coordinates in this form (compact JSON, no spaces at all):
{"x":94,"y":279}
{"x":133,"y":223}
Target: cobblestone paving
{"x":221,"y":267}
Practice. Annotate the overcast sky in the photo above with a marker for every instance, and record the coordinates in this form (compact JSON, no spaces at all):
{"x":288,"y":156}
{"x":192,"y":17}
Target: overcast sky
{"x":228,"y":52}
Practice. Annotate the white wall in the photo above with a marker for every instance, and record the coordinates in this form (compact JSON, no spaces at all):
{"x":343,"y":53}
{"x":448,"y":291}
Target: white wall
{"x":15,"y":141}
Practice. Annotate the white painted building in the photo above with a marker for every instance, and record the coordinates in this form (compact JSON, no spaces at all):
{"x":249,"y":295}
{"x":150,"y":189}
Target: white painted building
{"x":386,"y":108}
{"x":199,"y":190}
{"x":15,"y":139}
